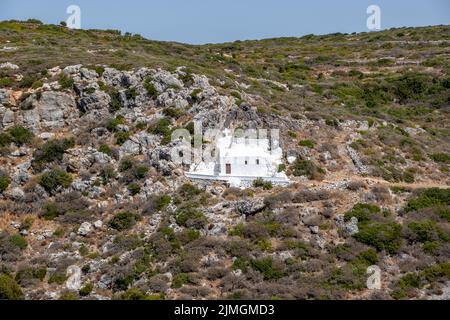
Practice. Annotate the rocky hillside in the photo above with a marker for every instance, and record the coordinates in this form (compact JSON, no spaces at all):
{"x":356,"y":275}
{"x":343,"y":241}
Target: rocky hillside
{"x":92,"y":205}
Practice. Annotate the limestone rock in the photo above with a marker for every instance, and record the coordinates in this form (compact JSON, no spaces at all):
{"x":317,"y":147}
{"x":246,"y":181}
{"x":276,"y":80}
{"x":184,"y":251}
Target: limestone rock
{"x":85,"y":229}
{"x":250,"y":207}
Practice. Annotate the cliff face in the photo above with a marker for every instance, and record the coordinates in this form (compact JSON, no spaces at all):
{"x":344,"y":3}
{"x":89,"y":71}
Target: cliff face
{"x":93,"y":206}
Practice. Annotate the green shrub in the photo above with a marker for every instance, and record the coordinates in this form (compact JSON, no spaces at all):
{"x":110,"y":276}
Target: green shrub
{"x":26,"y":223}
{"x":26,"y":274}
{"x":362,"y":211}
{"x":162,"y":127}
{"x":5,"y":82}
{"x":180,"y":280}
{"x":126,"y":164}
{"x":268,"y":268}
{"x":124,"y":220}
{"x":53,"y":179}
{"x":105,"y":149}
{"x":382,"y":236}
{"x":18,"y":241}
{"x":140,"y":171}
{"x":51,"y":151}
{"x":5,"y":139}
{"x":188,"y":191}
{"x":440,"y":157}
{"x":58,"y":277}
{"x":427,"y":230}
{"x":131,"y":93}
{"x":261,"y":183}
{"x":86,"y":290}
{"x":107,"y":173}
{"x":306,"y":168}
{"x":191,"y":218}
{"x":150,"y":88}
{"x":136,"y":294}
{"x":173,"y":113}
{"x":69,"y":296}
{"x":114,"y":123}
{"x":4,"y":181}
{"x":416,"y":280}
{"x":116,"y":103}
{"x":20,"y":135}
{"x":195,"y":93}
{"x":65,"y":82}
{"x":9,"y":289}
{"x":121,"y":137}
{"x":306,"y":143}
{"x":134,"y":188}
{"x":432,"y":197}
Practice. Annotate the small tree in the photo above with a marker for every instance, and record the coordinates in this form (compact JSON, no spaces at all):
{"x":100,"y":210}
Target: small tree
{"x":54,"y":179}
{"x":9,"y":289}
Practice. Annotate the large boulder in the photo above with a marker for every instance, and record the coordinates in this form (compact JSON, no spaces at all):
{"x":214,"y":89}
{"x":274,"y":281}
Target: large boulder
{"x":85,"y":229}
{"x":98,"y":100}
{"x":250,"y":207}
{"x":140,"y":143}
{"x":163,"y":79}
{"x":52,"y":110}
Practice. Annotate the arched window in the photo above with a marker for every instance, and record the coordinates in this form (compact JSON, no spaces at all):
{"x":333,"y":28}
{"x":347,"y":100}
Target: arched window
{"x":257,"y":162}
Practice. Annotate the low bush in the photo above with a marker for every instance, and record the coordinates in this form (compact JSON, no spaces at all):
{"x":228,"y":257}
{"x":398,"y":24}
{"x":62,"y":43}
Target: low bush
{"x":150,"y":88}
{"x":429,"y":198}
{"x":86,"y":290}
{"x":191,"y":218}
{"x":417,"y":280}
{"x":156,"y":203}
{"x":180,"y":280}
{"x":136,"y":294}
{"x":162,"y":127}
{"x":124,"y":220}
{"x":188,"y":191}
{"x":441,"y":158}
{"x":307,"y":168}
{"x":54,"y":179}
{"x":362,"y":211}
{"x":121,"y":137}
{"x":382,"y":236}
{"x":261,"y":183}
{"x":20,"y":135}
{"x":4,"y":181}
{"x":134,"y":188}
{"x":28,"y":276}
{"x":18,"y":241}
{"x":70,"y":205}
{"x":65,"y":82}
{"x":105,"y":149}
{"x":51,"y":152}
{"x":114,"y":123}
{"x":306,"y":143}
{"x":9,"y":289}
{"x":107,"y":173}
{"x":269,"y":269}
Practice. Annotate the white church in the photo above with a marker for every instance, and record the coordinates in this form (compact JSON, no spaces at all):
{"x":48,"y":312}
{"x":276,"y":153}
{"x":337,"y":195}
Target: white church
{"x":241,"y":160}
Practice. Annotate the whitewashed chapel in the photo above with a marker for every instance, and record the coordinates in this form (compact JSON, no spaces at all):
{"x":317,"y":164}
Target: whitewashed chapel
{"x":241,"y":160}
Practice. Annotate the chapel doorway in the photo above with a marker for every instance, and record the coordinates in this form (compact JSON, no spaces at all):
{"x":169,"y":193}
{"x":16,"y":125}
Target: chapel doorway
{"x":228,"y":168}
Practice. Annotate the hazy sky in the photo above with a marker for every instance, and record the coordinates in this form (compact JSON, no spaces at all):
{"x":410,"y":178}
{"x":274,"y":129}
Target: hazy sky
{"x":203,"y":21}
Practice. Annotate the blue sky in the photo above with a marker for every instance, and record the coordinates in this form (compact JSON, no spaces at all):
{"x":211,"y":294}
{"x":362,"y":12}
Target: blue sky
{"x":212,"y":21}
